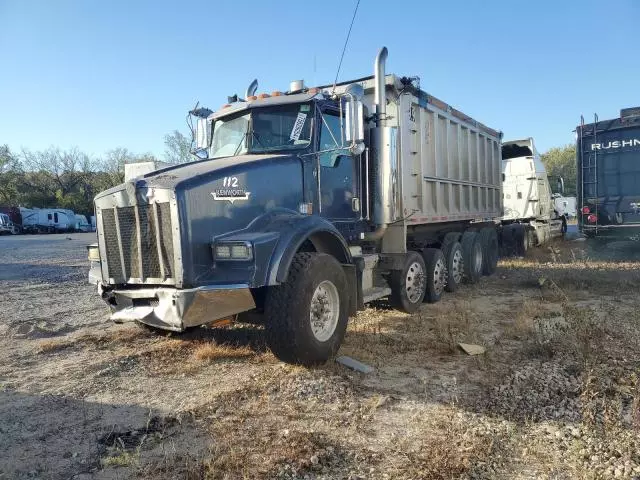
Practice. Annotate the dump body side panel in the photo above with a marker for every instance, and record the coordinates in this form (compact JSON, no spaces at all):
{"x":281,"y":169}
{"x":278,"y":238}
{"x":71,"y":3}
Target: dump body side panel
{"x":449,"y":165}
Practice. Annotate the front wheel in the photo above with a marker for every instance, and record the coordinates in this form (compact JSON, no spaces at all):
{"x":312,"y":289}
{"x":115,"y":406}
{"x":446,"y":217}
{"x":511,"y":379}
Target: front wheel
{"x":306,"y":316}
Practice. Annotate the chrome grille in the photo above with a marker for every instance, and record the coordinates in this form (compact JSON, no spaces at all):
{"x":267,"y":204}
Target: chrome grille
{"x":139,"y":242}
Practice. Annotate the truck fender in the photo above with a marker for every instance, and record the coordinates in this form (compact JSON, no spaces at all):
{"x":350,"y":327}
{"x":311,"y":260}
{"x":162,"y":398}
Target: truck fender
{"x":319,"y":232}
{"x":280,"y":233}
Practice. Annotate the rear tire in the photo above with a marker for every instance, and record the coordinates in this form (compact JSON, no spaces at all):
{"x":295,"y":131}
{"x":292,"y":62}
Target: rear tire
{"x":473,"y":257}
{"x":408,"y":285}
{"x":436,"y":274}
{"x":306,"y":316}
{"x":454,"y":258}
{"x":491,"y":250}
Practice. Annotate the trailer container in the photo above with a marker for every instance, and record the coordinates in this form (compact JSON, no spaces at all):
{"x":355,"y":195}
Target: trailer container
{"x":608,"y":168}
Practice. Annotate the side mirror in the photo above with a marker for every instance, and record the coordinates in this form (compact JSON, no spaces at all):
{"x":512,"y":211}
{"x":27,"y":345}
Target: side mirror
{"x":354,"y":125}
{"x":561,"y":185}
{"x":203,"y":133}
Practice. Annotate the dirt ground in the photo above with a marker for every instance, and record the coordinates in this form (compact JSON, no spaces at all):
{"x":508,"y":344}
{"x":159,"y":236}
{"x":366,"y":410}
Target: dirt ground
{"x":556,"y":395}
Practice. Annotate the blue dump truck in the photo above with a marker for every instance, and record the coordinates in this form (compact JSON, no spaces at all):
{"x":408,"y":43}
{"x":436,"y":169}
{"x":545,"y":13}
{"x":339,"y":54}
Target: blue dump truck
{"x":307,"y":204}
{"x":608,"y":169}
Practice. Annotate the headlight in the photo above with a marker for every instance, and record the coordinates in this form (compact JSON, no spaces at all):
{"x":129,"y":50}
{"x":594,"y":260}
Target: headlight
{"x":234,"y":251}
{"x":93,"y":252}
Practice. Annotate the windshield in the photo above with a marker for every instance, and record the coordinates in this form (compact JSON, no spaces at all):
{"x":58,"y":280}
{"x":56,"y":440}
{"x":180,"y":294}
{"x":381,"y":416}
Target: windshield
{"x":266,"y":129}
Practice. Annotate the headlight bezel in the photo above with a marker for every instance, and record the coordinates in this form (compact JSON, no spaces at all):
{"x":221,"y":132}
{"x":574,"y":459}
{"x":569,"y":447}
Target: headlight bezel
{"x":232,"y":251}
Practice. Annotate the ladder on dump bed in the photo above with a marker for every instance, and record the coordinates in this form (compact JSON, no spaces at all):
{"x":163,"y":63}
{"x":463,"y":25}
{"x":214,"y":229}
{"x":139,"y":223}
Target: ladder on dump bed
{"x":590,"y":166}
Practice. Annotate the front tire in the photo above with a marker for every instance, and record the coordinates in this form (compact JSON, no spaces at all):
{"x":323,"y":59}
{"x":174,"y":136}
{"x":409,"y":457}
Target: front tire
{"x":408,"y":285}
{"x":306,"y":316}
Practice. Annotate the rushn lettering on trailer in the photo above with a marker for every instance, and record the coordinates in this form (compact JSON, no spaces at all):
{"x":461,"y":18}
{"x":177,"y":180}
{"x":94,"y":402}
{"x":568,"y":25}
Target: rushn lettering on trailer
{"x":633,"y":142}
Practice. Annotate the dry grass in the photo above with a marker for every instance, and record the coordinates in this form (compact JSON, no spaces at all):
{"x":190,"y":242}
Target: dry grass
{"x":52,"y":346}
{"x":211,"y":352}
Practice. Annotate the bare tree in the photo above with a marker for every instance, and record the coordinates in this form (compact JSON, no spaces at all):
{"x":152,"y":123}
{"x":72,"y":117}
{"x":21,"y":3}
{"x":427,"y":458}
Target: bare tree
{"x":177,"y":148}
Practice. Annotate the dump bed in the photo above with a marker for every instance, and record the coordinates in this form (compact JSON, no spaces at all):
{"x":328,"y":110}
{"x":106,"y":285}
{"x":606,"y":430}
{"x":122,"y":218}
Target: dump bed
{"x":449,"y":164}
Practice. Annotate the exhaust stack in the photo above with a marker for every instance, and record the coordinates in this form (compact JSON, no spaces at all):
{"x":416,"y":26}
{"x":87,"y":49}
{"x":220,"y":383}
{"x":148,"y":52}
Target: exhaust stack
{"x":380,"y":99}
{"x":251,"y":89}
{"x":385,"y":162}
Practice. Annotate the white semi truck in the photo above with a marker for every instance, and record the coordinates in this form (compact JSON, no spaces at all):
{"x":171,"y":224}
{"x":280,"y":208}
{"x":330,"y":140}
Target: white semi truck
{"x":530,"y":215}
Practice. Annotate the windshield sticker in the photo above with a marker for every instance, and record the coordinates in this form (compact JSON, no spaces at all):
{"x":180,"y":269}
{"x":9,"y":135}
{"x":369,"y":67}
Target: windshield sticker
{"x":305,"y":108}
{"x":297,"y":126}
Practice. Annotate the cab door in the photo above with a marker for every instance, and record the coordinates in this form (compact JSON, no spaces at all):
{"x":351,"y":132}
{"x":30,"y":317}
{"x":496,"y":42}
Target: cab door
{"x":339,"y":198}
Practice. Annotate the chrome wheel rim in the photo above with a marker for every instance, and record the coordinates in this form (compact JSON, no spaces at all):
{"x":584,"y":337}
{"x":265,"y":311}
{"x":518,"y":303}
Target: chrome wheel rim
{"x":414,"y":282}
{"x":456,"y":266}
{"x":325,"y":311}
{"x":439,"y":276}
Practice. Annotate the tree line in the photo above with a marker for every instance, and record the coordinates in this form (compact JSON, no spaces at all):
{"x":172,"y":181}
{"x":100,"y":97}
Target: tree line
{"x":71,"y":178}
{"x":561,"y":162}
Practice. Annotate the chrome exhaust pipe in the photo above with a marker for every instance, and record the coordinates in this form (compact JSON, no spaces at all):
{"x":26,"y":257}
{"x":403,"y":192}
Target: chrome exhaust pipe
{"x":380,"y":98}
{"x":381,"y":168}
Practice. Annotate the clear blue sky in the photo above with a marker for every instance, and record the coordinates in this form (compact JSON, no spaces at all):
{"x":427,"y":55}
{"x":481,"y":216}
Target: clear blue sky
{"x":103,"y":74}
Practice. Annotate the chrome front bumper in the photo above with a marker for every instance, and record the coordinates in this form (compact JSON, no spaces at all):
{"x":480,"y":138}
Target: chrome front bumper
{"x":177,"y":309}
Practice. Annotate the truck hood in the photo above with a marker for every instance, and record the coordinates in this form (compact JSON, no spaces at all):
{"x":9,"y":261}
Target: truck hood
{"x":179,"y":175}
{"x":174,"y":175}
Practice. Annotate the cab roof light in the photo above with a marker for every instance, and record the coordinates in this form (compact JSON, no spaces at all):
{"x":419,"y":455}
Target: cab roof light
{"x":251,"y":98}
{"x":263,"y":96}
{"x":276,"y":93}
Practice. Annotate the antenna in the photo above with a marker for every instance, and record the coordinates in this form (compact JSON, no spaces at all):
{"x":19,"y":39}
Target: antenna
{"x":345,"y":46}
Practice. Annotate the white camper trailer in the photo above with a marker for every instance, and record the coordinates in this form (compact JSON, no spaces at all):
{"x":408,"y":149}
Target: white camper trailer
{"x":82,"y":225}
{"x":47,"y":220}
